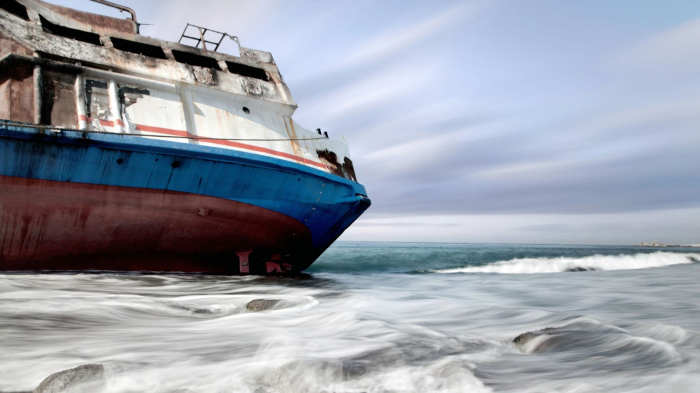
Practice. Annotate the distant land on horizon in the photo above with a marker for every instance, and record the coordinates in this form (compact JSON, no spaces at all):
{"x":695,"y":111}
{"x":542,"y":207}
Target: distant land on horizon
{"x":643,"y":244}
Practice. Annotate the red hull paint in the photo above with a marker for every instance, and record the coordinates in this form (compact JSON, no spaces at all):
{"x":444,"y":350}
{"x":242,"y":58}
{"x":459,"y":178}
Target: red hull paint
{"x":49,"y":225}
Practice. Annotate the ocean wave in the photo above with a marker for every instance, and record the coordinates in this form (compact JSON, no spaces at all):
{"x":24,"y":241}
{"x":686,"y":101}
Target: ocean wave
{"x":568,"y":264}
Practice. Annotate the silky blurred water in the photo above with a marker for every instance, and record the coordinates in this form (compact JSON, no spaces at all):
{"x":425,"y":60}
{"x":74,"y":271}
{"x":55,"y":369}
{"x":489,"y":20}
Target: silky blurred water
{"x":373,"y":317}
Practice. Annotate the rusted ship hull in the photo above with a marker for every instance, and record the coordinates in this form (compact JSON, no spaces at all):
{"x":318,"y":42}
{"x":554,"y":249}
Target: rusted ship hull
{"x":109,"y":202}
{"x":128,"y":153}
{"x":49,"y":225}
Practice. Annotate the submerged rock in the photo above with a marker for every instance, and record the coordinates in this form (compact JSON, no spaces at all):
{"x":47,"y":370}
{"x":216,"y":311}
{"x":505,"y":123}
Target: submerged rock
{"x":261,"y":304}
{"x":581,"y":269}
{"x":575,"y":336}
{"x":603,"y":342}
{"x":564,"y":338}
{"x":88,"y":378}
{"x":536,"y":342}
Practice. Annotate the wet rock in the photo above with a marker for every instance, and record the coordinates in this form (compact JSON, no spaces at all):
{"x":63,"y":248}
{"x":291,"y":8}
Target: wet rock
{"x":88,"y":378}
{"x":535,"y":342}
{"x":575,"y":336}
{"x":523,"y":338}
{"x":261,"y":304}
{"x":564,"y":338}
{"x":581,"y":269}
{"x":604,"y":342}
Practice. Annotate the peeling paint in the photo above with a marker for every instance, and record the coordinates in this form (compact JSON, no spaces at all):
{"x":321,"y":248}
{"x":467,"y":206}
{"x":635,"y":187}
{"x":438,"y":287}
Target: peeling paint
{"x":330,"y":159}
{"x":204,"y":75}
{"x":97,"y":97}
{"x":130,"y":95}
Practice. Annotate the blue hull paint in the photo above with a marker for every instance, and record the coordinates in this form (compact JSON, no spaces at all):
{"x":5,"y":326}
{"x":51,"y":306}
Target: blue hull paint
{"x":325,"y":203}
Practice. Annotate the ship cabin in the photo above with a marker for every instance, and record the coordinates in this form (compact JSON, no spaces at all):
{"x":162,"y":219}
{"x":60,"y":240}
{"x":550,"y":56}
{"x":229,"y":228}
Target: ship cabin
{"x":64,"y":69}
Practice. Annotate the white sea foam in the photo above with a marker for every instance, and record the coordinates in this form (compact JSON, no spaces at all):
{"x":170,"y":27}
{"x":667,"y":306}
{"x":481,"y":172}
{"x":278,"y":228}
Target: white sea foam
{"x":373,"y":333}
{"x":593,"y":262}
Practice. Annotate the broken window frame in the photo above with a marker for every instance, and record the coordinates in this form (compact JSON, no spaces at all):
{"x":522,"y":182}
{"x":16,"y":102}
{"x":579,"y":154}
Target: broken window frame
{"x":138,"y":48}
{"x":15,"y":8}
{"x":194,"y":59}
{"x":67,"y":32}
{"x":247,"y":71}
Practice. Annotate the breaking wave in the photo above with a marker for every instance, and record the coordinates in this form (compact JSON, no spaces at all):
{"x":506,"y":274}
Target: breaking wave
{"x":588,"y":263}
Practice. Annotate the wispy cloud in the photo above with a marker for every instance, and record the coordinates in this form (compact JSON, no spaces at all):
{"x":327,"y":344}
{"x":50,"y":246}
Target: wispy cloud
{"x":390,"y":42}
{"x":677,"y":48}
{"x":373,"y":92}
{"x":405,"y":158}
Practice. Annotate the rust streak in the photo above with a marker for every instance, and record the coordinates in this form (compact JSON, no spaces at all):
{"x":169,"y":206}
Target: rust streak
{"x":291,"y":132}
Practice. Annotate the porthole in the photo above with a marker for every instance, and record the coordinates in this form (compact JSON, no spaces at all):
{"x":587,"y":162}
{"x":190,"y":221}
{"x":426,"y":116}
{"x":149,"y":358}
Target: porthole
{"x":246,"y":110}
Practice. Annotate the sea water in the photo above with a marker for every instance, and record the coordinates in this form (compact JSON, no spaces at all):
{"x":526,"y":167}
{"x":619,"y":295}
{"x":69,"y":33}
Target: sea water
{"x":373,"y":317}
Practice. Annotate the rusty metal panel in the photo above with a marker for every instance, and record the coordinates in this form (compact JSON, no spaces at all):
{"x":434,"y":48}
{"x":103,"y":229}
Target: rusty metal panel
{"x":16,"y":86}
{"x":100,"y":23}
{"x":59,"y":105}
{"x":10,"y":46}
{"x":19,"y":93}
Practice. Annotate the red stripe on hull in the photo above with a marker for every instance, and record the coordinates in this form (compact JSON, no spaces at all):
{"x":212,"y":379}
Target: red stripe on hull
{"x":239,"y":145}
{"x":48,"y":225}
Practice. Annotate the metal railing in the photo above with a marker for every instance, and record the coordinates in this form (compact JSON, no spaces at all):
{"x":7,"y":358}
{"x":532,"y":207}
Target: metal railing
{"x":121,"y":8}
{"x":202,"y":39}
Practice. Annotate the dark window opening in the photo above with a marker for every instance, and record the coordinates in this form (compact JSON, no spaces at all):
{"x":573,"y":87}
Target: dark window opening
{"x":138,"y":48}
{"x":90,"y":38}
{"x":195,"y":60}
{"x":15,"y":8}
{"x":245,"y":70}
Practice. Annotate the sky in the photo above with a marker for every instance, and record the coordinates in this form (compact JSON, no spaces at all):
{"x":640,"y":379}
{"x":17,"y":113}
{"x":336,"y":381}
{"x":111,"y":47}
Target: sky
{"x":567,"y":122}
